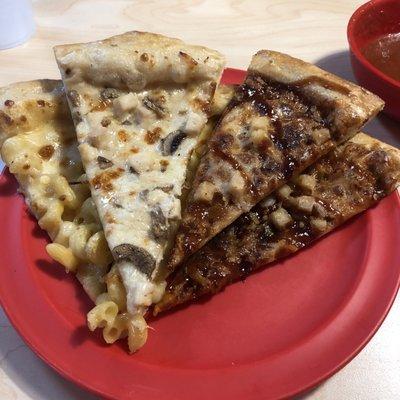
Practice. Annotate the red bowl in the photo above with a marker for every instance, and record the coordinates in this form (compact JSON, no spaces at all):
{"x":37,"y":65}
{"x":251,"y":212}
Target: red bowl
{"x":372,"y":20}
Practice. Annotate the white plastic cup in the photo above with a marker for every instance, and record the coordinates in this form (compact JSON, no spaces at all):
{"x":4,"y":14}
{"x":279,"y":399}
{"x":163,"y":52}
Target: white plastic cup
{"x":16,"y":22}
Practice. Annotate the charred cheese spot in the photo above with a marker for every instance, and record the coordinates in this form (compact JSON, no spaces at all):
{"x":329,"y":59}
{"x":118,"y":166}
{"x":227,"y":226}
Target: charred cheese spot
{"x":46,"y":152}
{"x":77,"y":116}
{"x":134,"y":150}
{"x":9,"y":103}
{"x":153,"y":136}
{"x":23,"y":118}
{"x":109,"y":218}
{"x":132,"y":170}
{"x":164,"y":164}
{"x":103,"y":181}
{"x":166,"y":189}
{"x":144,"y":57}
{"x":123,"y":136}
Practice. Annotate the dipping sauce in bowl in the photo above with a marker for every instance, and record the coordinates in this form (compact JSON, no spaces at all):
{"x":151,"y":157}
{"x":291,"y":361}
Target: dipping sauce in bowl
{"x":373,"y":33}
{"x":384,"y":54}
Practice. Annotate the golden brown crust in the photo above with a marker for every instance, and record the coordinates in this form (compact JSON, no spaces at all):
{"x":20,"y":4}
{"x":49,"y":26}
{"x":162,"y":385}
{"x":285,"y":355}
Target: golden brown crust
{"x":134,"y":60}
{"x":345,"y":182}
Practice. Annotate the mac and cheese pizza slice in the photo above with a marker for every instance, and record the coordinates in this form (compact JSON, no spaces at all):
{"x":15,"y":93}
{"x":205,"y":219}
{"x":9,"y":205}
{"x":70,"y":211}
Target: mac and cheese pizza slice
{"x":38,"y":144}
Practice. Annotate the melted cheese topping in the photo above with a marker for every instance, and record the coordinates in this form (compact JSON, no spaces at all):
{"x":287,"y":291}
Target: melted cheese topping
{"x":135,"y":141}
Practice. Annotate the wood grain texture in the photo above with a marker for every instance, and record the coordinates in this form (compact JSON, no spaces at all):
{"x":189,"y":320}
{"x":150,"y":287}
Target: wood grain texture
{"x":314,"y":30}
{"x":308,"y":29}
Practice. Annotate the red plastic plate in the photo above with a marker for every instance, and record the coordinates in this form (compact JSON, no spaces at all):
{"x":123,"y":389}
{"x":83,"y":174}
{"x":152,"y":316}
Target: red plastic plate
{"x":281,"y":332}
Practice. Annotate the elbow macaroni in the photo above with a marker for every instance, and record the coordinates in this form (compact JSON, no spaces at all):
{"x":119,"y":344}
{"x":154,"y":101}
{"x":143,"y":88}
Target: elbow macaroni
{"x":110,"y":315}
{"x":117,"y":325}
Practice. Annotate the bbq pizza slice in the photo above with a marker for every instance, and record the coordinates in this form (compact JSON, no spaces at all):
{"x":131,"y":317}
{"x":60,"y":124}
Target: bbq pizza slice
{"x":286,"y":115}
{"x":345,"y":182}
{"x":139,"y":102}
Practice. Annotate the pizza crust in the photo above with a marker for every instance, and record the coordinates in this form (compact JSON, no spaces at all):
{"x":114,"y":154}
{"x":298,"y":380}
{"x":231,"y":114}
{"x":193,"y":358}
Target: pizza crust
{"x":350,"y":105}
{"x":134,"y":60}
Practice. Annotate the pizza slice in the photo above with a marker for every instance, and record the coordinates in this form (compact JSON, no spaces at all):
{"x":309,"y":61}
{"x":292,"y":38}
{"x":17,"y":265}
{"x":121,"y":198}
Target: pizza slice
{"x":286,"y":115}
{"x":139,"y":102}
{"x":345,"y":182}
{"x":38,"y":144}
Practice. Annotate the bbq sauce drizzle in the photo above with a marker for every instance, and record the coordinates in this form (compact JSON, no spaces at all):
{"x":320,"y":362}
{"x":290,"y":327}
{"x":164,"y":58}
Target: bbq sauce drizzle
{"x":257,"y":90}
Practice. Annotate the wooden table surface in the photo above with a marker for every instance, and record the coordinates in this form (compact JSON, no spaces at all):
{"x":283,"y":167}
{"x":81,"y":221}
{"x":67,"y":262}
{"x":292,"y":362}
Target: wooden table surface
{"x":314,"y":30}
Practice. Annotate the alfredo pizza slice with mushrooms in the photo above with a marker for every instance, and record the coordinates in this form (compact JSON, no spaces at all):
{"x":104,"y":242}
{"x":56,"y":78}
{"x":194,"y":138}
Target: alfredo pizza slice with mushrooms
{"x":139,"y":102}
{"x":38,"y":144}
{"x":345,"y":182}
{"x":286,"y":115}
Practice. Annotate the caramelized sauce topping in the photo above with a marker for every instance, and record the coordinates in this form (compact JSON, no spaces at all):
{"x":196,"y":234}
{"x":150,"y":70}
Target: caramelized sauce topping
{"x":293,"y":118}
